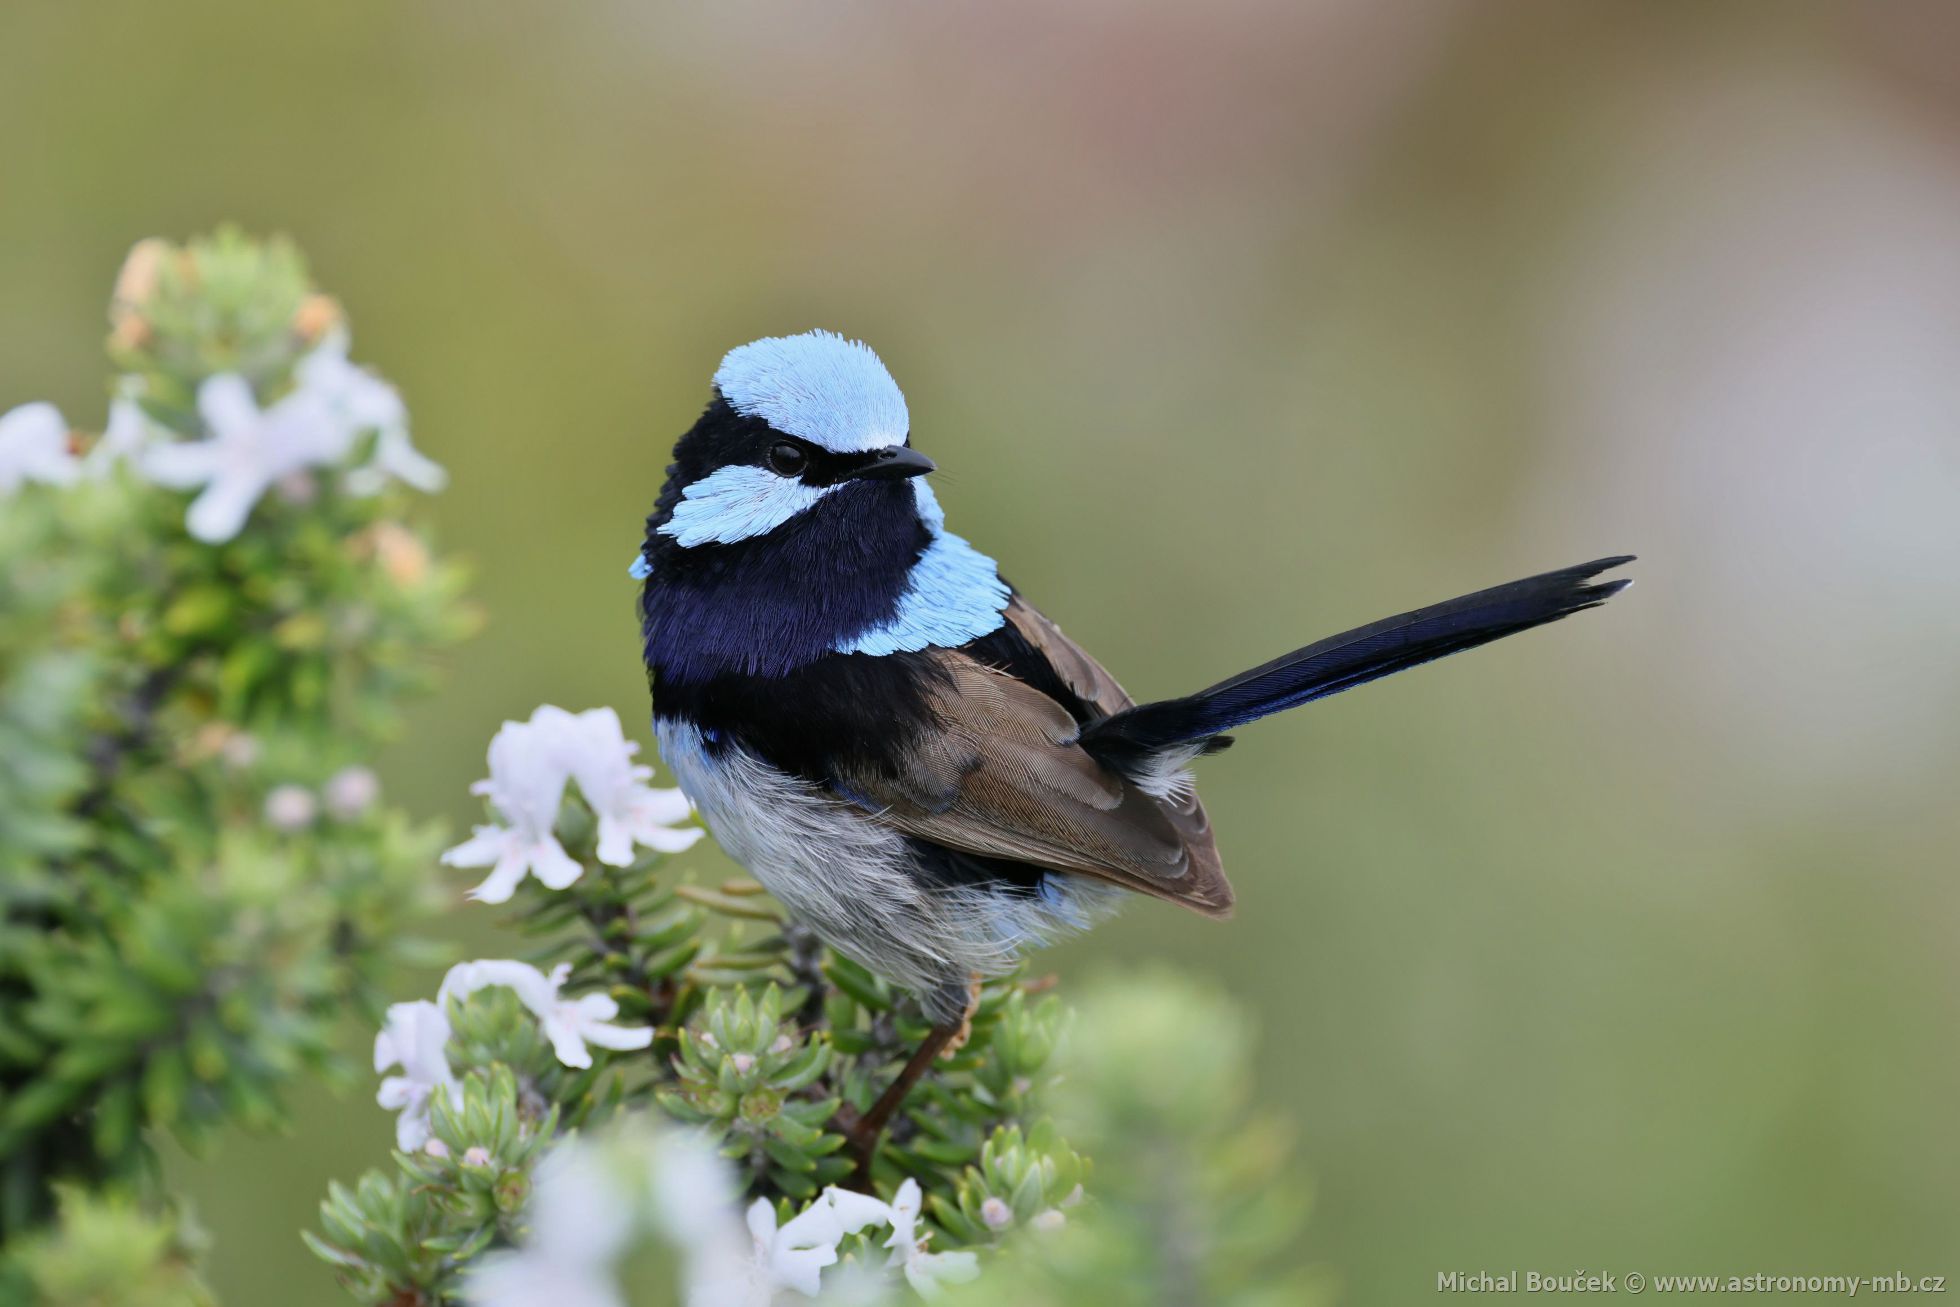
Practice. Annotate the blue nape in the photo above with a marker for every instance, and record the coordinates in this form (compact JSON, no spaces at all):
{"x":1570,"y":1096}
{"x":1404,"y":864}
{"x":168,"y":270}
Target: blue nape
{"x":953,"y":594}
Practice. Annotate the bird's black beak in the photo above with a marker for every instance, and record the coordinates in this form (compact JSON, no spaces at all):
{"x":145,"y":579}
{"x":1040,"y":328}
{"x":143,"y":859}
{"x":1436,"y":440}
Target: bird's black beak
{"x":895,"y":463}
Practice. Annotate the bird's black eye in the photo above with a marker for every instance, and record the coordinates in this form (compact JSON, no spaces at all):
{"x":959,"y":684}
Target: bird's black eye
{"x":786,"y":460}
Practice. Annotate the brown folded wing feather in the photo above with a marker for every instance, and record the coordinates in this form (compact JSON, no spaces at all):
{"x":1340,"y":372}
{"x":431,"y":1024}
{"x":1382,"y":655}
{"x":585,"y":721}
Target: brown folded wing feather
{"x":1083,"y":675}
{"x":1002,"y":776}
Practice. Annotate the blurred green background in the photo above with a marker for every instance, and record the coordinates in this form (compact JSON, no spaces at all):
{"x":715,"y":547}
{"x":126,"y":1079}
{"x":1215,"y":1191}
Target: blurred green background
{"x":1625,"y":946}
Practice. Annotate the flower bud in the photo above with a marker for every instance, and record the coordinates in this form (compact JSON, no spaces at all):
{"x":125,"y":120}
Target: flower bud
{"x":316,"y":316}
{"x":142,"y":268}
{"x":997,"y":1214}
{"x":239,"y":750}
{"x":298,"y":488}
{"x":136,"y":285}
{"x":400,"y":552}
{"x":351,"y":791}
{"x":290,"y":808}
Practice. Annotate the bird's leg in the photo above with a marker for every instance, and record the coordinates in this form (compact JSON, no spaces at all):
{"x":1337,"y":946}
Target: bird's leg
{"x":943,"y":1040}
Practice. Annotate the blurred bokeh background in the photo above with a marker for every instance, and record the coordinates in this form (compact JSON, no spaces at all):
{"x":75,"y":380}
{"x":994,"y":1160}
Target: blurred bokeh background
{"x":1628,"y":945}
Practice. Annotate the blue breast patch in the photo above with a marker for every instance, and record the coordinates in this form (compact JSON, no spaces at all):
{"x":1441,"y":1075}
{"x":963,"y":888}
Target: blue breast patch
{"x":953,"y":594}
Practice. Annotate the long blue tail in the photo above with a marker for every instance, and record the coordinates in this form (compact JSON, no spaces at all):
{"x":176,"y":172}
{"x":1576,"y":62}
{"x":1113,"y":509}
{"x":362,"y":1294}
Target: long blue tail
{"x":1130,"y":739}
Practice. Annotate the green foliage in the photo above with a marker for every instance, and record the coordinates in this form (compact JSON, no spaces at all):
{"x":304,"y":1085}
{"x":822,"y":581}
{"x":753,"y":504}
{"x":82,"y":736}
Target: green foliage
{"x":763,"y":1040}
{"x":104,"y":1250}
{"x":490,"y":1141}
{"x":742,"y":1072}
{"x":1190,"y":1203}
{"x":387,"y":1231}
{"x":446,"y":1203}
{"x":1018,"y":1180}
{"x":224,"y":303}
{"x":197,"y":881}
{"x":1190,"y":1200}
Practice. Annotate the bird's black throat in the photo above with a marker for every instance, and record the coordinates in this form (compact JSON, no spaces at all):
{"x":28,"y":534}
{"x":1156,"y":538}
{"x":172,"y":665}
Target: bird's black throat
{"x":768,"y":605}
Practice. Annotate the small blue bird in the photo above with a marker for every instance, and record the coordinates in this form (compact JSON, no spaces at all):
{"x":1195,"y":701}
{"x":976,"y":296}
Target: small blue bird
{"x":914,"y":760}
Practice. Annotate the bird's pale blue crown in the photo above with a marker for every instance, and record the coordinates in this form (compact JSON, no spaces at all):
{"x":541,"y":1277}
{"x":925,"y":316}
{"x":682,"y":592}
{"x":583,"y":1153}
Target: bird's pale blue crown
{"x":820,"y":386}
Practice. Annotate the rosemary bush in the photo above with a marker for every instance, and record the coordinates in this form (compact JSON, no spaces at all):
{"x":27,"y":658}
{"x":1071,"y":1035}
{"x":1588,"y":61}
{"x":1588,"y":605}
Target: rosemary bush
{"x":197,"y":875}
{"x":209,"y":615}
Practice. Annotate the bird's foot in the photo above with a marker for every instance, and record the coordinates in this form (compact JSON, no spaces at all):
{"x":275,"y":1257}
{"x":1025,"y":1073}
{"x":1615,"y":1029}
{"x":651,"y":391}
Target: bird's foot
{"x":958,"y":1039}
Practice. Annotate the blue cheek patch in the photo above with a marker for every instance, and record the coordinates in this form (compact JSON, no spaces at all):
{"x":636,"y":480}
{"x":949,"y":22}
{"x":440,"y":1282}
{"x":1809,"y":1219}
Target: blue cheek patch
{"x":737,"y":503}
{"x":828,"y":390}
{"x":954,"y":594}
{"x":641,"y":568}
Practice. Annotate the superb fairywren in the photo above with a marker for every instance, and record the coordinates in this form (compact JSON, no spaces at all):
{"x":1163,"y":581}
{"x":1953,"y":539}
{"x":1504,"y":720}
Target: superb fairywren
{"x":913,"y":759}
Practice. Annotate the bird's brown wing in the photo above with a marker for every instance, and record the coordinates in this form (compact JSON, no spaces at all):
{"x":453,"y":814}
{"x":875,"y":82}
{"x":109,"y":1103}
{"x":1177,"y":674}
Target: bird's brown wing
{"x":1082,"y":674}
{"x":1000,"y":775}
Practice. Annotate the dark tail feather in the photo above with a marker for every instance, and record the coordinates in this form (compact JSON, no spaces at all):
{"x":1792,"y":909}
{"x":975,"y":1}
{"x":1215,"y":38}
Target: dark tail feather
{"x":1352,"y":658}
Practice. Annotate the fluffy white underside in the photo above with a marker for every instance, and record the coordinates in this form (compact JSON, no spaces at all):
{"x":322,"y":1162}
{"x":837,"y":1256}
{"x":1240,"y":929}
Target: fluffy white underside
{"x":849,"y":878}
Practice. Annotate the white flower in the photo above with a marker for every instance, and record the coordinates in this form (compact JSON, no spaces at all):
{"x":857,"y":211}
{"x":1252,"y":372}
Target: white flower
{"x":580,"y":1216}
{"x":528,"y":771}
{"x":290,"y":808}
{"x":128,"y":434}
{"x":693,"y":1207}
{"x":570,"y":1024}
{"x":530,"y":762}
{"x":582,"y":1212}
{"x":855,"y":1210}
{"x":34,"y":447}
{"x":793,"y":1257}
{"x":247,"y":451}
{"x":414,"y":1038}
{"x":364,"y":402}
{"x":924,"y":1270}
{"x":693,"y":1190}
{"x":351,"y":791}
{"x":629,"y":811}
{"x":583,"y":1217}
{"x":526,"y":1279}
